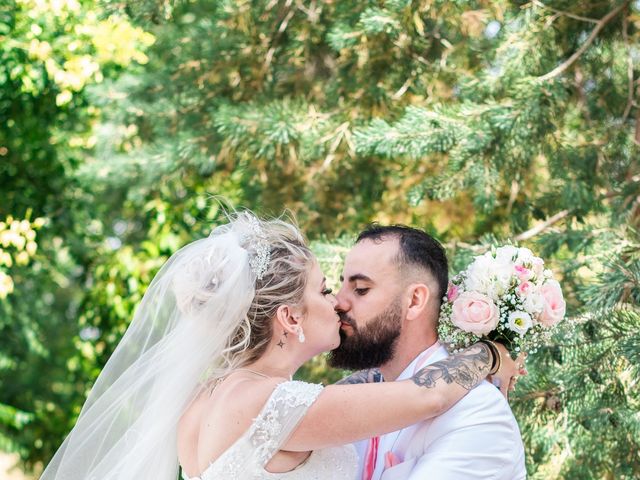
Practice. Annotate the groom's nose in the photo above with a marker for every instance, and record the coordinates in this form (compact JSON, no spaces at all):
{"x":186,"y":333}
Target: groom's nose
{"x":341,"y":302}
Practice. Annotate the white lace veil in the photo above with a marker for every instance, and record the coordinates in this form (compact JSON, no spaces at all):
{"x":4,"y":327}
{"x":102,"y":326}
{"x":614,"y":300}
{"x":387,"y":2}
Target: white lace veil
{"x":181,"y":330}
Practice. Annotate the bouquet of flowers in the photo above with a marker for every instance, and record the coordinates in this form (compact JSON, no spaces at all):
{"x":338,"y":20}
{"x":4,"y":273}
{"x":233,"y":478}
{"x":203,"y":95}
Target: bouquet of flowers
{"x":505,"y":295}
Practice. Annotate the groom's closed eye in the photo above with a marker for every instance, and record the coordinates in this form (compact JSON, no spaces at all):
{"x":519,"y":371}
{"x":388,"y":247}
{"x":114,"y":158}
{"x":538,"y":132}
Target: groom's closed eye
{"x":361,"y":291}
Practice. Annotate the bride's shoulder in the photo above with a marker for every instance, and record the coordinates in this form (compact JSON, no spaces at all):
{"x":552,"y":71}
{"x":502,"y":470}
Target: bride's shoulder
{"x":261,"y":393}
{"x":219,"y":415}
{"x":234,"y":401}
{"x":246,"y":396}
{"x":250,"y":399}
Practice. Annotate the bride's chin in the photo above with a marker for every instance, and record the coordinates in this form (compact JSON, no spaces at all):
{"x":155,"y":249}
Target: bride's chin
{"x":331,"y":346}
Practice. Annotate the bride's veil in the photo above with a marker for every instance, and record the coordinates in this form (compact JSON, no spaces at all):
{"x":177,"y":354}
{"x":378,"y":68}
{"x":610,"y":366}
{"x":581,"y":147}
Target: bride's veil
{"x":180,"y":332}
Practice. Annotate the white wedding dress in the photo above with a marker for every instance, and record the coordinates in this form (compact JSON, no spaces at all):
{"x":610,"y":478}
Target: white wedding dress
{"x":284,"y":410}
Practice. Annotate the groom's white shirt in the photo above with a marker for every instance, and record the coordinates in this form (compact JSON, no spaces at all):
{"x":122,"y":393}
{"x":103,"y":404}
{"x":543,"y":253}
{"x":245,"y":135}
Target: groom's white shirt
{"x":477,"y":438}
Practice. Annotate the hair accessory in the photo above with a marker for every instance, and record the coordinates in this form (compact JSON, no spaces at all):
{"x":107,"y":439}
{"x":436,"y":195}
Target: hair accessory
{"x":260,"y":260}
{"x":261,"y":256}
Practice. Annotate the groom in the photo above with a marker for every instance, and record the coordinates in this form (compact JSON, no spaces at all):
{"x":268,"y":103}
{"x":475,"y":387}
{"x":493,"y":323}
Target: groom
{"x":394,"y":279}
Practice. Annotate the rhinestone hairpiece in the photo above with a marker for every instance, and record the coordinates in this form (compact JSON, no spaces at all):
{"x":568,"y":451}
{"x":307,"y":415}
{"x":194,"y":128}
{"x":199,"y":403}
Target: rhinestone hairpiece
{"x":259,"y":261}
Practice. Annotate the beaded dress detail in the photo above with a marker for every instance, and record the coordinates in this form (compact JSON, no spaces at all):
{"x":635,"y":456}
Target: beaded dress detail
{"x":284,"y":410}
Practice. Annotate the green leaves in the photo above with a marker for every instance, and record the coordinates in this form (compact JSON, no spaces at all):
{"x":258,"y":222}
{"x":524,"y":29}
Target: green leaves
{"x":125,"y":124}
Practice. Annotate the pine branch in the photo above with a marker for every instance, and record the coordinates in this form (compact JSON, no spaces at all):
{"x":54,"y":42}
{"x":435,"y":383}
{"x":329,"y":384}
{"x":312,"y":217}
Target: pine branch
{"x":630,"y":85}
{"x":592,"y":36}
{"x":532,"y":232}
{"x":281,"y":28}
{"x":539,"y":394}
{"x":476,"y":249}
{"x":521,"y":237}
{"x":564,"y":13}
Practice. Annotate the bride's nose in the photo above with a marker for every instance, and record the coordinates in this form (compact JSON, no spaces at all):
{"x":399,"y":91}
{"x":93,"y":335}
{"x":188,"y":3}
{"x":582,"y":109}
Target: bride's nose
{"x":333,"y":300}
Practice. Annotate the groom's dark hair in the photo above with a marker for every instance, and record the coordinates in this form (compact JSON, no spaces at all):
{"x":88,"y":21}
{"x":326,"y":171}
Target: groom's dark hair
{"x":417,"y":248}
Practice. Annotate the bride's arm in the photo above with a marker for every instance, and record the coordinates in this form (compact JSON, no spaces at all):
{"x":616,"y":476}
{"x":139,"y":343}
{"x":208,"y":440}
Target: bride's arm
{"x":345,"y":413}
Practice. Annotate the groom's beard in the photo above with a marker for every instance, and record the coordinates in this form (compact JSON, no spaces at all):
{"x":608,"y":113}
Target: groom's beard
{"x":372,"y":345}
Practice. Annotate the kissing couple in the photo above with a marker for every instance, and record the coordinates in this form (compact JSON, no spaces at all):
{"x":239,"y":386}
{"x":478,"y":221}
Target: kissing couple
{"x":202,"y":379}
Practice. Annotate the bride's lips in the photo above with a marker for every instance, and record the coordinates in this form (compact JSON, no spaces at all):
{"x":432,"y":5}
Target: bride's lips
{"x":345,"y":324}
{"x":345,"y":321}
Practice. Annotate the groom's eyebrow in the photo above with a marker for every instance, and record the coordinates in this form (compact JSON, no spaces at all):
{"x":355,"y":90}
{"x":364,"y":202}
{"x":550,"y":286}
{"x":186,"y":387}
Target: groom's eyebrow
{"x":356,"y":277}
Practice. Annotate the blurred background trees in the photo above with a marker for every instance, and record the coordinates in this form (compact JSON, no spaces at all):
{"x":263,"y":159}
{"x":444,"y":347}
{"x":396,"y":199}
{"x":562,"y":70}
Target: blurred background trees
{"x":122,"y":124}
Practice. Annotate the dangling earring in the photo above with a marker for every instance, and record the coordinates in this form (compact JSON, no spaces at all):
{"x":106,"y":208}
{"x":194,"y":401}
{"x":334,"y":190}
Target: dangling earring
{"x":301,"y":338}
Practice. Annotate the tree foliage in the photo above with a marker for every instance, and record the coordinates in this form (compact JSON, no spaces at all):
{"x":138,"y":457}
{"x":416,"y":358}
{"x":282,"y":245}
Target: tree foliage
{"x":480,"y":121}
{"x":50,"y":52}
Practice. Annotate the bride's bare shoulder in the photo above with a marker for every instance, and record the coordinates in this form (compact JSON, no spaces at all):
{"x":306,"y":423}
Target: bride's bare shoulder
{"x":242,"y":394}
{"x":233,"y":398}
{"x":219,"y":416}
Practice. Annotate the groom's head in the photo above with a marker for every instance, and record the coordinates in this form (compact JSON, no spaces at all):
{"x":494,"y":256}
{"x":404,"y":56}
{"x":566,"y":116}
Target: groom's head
{"x":394,"y":279}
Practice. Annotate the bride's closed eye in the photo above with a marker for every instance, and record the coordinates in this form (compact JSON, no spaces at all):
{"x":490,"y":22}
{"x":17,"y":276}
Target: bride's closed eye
{"x":327,"y":291}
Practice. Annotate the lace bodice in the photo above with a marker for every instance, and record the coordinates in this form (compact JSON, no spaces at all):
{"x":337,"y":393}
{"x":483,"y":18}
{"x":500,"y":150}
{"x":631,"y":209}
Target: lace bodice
{"x":284,"y":409}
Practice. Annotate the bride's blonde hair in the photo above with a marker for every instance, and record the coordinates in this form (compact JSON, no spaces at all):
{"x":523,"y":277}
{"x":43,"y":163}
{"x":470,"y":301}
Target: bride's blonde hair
{"x":282,"y":283}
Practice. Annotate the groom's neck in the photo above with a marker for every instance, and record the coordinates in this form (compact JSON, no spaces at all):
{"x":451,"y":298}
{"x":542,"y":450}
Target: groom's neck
{"x":407,"y":349}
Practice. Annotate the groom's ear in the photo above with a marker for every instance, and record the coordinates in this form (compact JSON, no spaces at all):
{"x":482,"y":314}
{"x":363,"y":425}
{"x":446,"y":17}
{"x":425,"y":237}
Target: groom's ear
{"x":418,"y":297}
{"x":287,"y":318}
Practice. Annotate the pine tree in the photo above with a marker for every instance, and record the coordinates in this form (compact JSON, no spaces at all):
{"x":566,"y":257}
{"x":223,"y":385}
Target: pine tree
{"x":480,"y":121}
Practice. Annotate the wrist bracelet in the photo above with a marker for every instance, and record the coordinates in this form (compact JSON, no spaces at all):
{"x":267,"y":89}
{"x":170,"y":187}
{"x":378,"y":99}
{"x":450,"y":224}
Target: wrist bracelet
{"x":497,"y":357}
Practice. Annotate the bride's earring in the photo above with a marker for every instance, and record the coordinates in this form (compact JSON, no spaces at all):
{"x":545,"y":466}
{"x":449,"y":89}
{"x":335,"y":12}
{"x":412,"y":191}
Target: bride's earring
{"x":300,"y":333}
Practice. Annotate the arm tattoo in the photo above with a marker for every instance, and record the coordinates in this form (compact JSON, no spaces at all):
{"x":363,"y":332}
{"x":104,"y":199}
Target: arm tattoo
{"x":467,"y":368}
{"x":371,"y":375}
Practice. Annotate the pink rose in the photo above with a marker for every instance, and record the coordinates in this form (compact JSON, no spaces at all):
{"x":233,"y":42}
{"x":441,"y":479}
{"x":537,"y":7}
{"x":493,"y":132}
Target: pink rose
{"x":554,"y":304}
{"x":474,"y":312}
{"x":452,"y":292}
{"x":524,"y":273}
{"x":524,"y":288}
{"x":538,"y":266}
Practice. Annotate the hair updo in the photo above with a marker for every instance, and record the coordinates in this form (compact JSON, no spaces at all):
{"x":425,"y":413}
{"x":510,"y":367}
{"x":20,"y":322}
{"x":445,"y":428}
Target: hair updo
{"x":283,"y":282}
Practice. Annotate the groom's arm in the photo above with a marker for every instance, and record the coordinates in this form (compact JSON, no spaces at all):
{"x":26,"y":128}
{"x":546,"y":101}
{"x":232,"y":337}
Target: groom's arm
{"x":372,"y":375}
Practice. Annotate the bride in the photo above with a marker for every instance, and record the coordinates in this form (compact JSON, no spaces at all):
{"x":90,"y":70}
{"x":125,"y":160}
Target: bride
{"x":203,"y":376}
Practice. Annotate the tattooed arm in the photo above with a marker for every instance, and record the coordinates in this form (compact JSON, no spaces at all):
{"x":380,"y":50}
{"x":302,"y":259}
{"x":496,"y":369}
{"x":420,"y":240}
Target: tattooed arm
{"x":371,"y":375}
{"x":349,"y":412}
{"x":466,"y":370}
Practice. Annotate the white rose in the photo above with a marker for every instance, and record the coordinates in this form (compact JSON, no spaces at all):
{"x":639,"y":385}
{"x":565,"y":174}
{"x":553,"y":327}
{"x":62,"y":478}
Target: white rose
{"x":520,"y":322}
{"x":525,"y":255}
{"x":479,"y":274}
{"x":489,"y":276}
{"x":533,"y":302}
{"x":507,"y":253}
{"x":503,"y":273}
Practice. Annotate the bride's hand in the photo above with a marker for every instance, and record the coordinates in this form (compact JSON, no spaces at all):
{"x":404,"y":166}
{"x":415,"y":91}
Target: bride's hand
{"x":507,"y":376}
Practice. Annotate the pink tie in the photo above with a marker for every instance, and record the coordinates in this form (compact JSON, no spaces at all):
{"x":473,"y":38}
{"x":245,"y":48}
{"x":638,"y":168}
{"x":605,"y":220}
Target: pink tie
{"x":371,"y":458}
